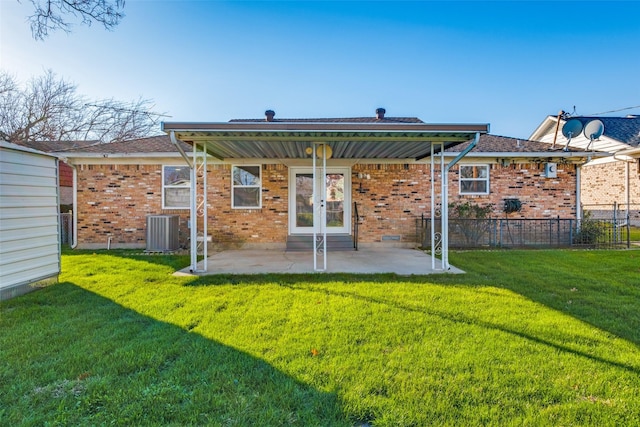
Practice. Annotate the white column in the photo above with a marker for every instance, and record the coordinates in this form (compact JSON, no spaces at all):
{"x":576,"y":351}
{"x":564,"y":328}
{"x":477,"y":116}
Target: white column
{"x":193,"y":217}
{"x":433,"y":212}
{"x":319,"y":207}
{"x":205,"y":213}
{"x":445,"y":211}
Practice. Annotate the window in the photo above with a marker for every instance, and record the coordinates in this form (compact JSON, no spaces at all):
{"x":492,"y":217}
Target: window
{"x":176,"y":187}
{"x":246,"y":187}
{"x":474,"y":179}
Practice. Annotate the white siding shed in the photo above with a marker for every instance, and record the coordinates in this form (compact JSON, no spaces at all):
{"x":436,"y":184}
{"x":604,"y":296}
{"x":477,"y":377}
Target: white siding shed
{"x":29,"y":221}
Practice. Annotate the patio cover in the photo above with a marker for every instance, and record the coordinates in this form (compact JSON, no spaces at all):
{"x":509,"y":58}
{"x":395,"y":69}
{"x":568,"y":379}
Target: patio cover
{"x":389,"y":140}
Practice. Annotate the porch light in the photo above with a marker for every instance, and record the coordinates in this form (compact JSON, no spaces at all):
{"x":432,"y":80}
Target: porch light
{"x":320,"y":152}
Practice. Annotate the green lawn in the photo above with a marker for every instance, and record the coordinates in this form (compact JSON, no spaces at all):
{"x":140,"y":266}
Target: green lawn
{"x":524,"y":338}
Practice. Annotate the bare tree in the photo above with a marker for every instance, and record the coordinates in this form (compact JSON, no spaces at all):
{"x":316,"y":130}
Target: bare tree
{"x":50,"y":109}
{"x":52,"y":15}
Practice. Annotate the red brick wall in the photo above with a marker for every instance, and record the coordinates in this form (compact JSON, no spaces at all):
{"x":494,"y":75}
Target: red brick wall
{"x":66,"y":174}
{"x":235,"y":227}
{"x":115,"y":200}
{"x":395,"y":195}
{"x":390,"y":200}
{"x":540,"y":197}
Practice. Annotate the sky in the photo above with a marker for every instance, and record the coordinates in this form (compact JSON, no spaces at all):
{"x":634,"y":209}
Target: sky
{"x":506,"y":63}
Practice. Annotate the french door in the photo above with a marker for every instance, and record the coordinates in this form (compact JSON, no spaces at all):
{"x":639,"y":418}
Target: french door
{"x":333,"y":189}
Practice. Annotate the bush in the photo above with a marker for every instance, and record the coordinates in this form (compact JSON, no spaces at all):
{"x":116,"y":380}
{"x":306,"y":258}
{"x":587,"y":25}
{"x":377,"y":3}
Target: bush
{"x":470,"y":220}
{"x":590,"y":231}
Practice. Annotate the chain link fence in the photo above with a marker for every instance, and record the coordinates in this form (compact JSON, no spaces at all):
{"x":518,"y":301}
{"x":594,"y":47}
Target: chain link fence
{"x":621,"y":213}
{"x":66,"y":228}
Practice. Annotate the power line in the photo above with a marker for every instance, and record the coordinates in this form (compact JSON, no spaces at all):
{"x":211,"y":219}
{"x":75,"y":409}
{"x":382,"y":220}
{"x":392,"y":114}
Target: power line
{"x":614,"y":111}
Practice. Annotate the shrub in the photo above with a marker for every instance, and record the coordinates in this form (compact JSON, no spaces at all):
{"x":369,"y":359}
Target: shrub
{"x":590,"y":231}
{"x":472,"y":221}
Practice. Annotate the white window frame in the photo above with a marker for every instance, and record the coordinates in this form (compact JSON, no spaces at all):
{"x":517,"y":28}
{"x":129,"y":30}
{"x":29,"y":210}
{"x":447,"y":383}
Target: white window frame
{"x":461,"y":179}
{"x":258,"y":186}
{"x":164,"y":187}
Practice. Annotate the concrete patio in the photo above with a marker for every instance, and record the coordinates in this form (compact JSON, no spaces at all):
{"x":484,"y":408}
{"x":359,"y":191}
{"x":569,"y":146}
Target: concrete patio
{"x":364,"y":261}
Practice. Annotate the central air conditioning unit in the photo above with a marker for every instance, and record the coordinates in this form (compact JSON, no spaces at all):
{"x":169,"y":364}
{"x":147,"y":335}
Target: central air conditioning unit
{"x":162,"y":233}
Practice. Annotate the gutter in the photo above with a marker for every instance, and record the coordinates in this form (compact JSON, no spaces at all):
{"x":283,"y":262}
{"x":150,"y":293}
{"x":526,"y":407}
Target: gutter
{"x":172,"y":135}
{"x":540,"y":154}
{"x":463,"y":153}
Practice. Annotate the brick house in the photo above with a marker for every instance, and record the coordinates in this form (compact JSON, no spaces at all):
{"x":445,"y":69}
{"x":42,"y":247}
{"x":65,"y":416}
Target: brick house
{"x":260,"y":179}
{"x":612,"y":180}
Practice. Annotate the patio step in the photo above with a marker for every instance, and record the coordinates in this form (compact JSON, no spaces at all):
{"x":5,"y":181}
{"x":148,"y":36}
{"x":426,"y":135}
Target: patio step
{"x":304,"y":243}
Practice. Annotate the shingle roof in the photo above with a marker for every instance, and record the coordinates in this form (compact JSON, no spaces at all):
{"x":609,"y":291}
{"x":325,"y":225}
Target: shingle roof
{"x":502,"y":144}
{"x":623,"y":129}
{"x":56,"y":146}
{"x":152,"y":144}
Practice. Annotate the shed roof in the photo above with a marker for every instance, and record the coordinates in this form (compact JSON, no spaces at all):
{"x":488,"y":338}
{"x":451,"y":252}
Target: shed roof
{"x":351,"y":138}
{"x":335,"y":120}
{"x":488,"y":144}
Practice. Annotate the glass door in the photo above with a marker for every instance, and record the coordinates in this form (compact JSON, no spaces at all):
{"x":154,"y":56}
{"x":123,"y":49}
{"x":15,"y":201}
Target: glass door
{"x":332,"y":189}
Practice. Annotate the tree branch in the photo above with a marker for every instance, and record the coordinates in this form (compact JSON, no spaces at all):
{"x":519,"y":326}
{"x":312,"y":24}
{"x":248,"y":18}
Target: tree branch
{"x":52,"y":15}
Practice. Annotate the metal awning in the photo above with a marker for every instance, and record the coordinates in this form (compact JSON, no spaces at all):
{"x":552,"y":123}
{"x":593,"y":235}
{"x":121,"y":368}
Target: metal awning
{"x":292,"y":140}
{"x":301,"y":140}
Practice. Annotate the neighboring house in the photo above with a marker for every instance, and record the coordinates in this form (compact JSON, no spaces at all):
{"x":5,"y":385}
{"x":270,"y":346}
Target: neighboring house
{"x":29,"y":237}
{"x":260,"y":179}
{"x":610,"y":181}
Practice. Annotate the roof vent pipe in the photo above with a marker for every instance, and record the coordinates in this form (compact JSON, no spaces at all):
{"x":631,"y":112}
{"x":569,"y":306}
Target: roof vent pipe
{"x":380,"y":113}
{"x":269,"y":114}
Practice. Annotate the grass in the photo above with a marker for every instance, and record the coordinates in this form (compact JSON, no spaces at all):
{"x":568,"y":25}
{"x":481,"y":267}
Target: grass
{"x":634,"y":234}
{"x":524,"y":338}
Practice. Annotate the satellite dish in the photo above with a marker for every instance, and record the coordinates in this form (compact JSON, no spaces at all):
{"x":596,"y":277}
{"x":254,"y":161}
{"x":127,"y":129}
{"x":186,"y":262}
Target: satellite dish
{"x":594,"y":129}
{"x":571,"y":128}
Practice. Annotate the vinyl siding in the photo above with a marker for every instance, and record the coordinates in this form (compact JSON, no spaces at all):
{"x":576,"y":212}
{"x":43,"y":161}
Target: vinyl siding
{"x":29,"y":229}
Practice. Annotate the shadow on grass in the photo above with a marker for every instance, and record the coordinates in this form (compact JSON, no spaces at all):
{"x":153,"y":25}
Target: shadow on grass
{"x":536,"y":275}
{"x":601,"y":288}
{"x":599,"y":302}
{"x":89,"y":360}
{"x":469,"y":320}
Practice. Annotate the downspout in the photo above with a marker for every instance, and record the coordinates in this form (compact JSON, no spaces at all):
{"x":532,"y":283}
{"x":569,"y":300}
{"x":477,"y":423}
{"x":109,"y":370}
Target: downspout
{"x":172,"y":135}
{"x":445,"y":200}
{"x":579,"y":194}
{"x":74,"y":244}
